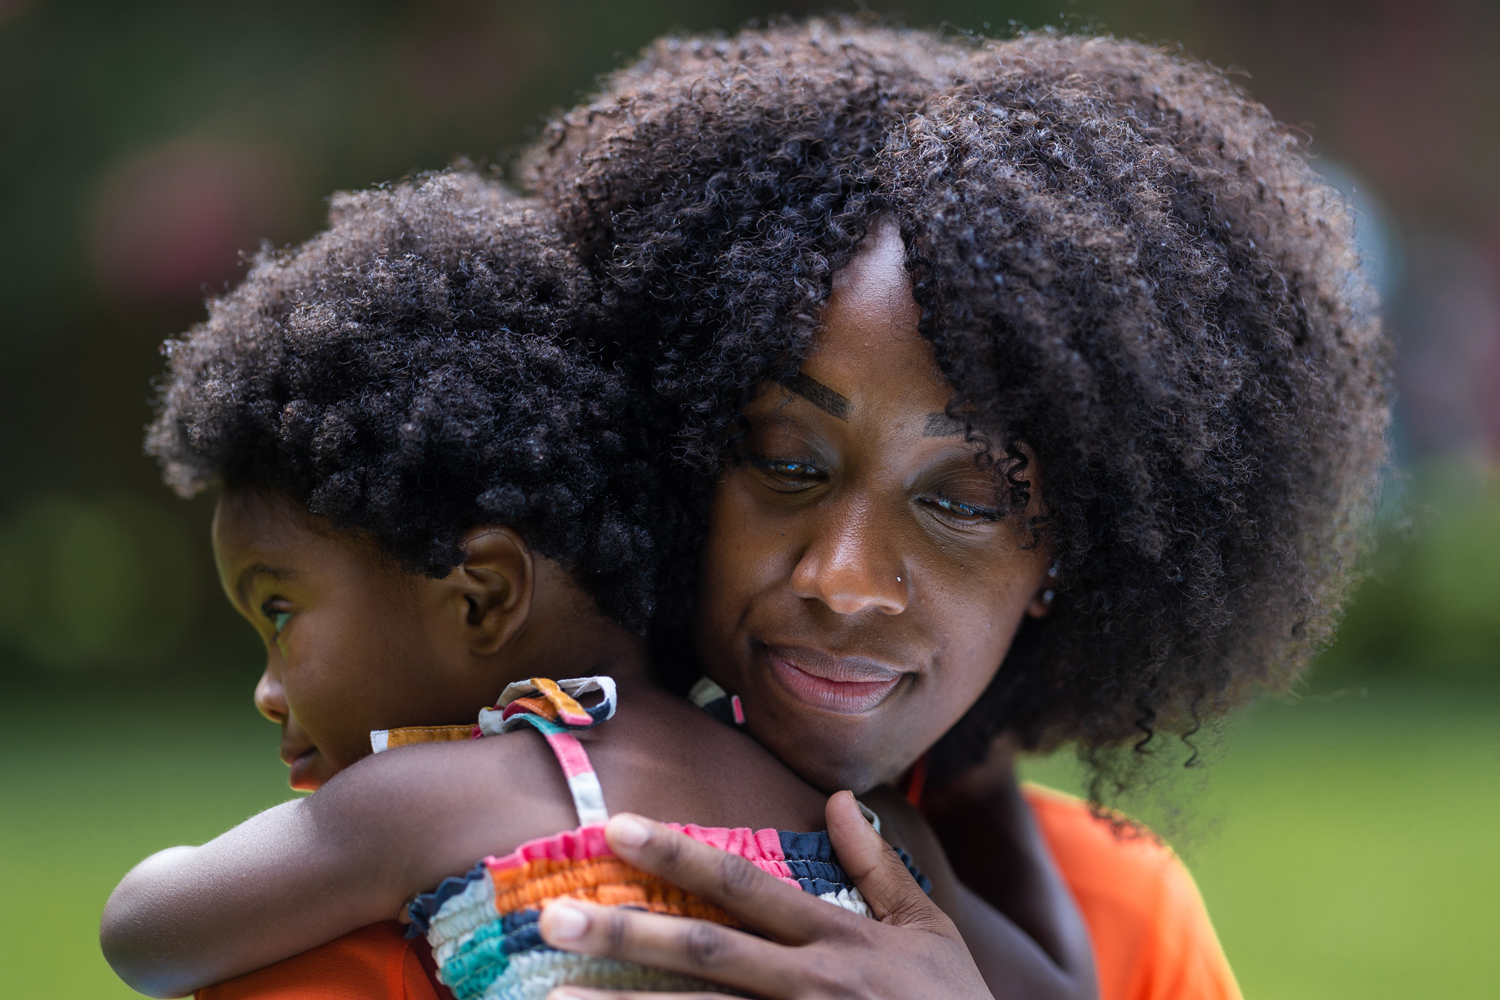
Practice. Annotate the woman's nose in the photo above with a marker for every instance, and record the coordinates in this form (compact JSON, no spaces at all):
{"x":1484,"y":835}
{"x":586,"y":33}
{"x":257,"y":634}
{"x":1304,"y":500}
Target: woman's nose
{"x":270,"y":696}
{"x":852,"y":564}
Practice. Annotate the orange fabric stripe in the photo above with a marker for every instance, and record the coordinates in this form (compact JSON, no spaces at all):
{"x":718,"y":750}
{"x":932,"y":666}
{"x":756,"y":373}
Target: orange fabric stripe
{"x":607,"y":881}
{"x":566,"y":705}
{"x":427,"y":734}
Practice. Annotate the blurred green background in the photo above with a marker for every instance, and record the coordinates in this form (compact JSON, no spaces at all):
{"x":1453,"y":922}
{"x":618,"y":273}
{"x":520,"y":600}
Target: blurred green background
{"x":1343,"y":839}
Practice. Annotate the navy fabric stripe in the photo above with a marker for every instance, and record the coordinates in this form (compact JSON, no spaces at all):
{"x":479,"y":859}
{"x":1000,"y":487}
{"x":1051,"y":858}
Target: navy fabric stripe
{"x":811,"y":856}
{"x":806,"y":846}
{"x":824,"y":870}
{"x":721,"y":709}
{"x":523,"y":935}
{"x":425,"y":906}
{"x":818,"y":886}
{"x":923,"y":882}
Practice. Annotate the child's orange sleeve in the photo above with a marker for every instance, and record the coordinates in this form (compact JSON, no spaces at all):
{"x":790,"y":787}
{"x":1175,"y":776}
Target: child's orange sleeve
{"x":1151,"y":933}
{"x":373,"y":963}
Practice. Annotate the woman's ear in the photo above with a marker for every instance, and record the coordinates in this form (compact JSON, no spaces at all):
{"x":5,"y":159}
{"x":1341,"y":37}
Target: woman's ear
{"x":493,"y":587}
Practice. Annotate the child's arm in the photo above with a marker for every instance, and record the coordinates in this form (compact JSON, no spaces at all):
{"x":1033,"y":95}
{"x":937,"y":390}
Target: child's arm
{"x":310,"y":870}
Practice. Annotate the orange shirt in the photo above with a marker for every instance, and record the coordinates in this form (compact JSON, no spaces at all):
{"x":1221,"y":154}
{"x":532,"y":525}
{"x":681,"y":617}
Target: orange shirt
{"x":1152,"y":936}
{"x":1151,"y":933}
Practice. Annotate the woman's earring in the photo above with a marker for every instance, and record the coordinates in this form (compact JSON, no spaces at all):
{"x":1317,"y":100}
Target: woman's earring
{"x":1049,"y":593}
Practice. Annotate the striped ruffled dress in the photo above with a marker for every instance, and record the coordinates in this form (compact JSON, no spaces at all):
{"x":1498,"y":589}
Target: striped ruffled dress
{"x":483,"y":928}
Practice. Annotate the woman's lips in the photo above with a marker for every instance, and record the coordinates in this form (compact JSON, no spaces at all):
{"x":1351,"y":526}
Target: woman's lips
{"x":848,"y":685}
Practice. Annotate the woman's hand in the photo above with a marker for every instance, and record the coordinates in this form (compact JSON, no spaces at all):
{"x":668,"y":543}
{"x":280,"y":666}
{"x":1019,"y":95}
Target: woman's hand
{"x":911,"y":951}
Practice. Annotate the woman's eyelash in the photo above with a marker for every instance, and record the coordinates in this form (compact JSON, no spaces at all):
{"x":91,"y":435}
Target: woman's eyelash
{"x":783,"y":467}
{"x":962,"y":509}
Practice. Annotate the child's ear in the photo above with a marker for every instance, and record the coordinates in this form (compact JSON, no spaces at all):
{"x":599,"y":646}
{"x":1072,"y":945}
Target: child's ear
{"x":493,"y":587}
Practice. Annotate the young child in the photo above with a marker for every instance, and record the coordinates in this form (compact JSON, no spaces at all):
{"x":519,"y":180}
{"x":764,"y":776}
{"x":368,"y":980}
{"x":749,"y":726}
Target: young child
{"x":431,"y":492}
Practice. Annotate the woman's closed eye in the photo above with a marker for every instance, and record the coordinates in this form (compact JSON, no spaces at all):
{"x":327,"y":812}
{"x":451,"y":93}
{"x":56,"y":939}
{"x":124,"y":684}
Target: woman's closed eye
{"x":788,"y":474}
{"x":963,"y":511}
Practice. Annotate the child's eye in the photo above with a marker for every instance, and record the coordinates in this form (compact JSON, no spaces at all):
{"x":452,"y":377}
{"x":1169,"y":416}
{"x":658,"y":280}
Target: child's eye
{"x":276,"y":616}
{"x":964,"y":511}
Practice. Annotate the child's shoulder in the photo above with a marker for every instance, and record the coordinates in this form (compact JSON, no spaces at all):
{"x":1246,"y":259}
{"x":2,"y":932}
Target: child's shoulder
{"x":668,"y":759}
{"x":474,"y":797}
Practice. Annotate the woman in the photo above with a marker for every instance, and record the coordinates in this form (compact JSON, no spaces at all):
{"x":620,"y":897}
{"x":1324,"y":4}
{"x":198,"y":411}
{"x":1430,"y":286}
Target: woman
{"x":1129,"y":276}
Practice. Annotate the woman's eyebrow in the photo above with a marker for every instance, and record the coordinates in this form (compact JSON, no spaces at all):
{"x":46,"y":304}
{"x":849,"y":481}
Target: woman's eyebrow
{"x":941,"y":425}
{"x":818,"y":395}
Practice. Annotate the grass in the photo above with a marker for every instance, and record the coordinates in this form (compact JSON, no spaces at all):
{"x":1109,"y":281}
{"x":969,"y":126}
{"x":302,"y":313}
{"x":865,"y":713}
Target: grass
{"x":1346,"y":846}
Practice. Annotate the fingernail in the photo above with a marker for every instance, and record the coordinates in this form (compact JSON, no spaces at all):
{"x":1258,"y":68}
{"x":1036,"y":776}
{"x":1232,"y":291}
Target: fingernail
{"x":628,"y":831}
{"x":565,"y":923}
{"x":563,"y":993}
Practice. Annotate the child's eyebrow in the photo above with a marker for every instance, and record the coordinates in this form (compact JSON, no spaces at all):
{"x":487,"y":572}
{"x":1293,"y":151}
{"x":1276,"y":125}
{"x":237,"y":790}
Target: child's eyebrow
{"x":818,"y":394}
{"x":251,"y":572}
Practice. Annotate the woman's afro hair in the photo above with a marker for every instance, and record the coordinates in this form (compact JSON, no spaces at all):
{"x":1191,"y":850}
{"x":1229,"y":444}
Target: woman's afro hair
{"x":419,"y":369}
{"x":1122,"y":262}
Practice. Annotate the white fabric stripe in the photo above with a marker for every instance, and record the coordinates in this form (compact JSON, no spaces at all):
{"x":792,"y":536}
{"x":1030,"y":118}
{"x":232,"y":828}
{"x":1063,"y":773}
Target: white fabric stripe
{"x":531,"y":975}
{"x":588,"y":799}
{"x":492,"y":722}
{"x":848,"y":899}
{"x":461,"y":914}
{"x":706,"y":691}
{"x":379,"y":739}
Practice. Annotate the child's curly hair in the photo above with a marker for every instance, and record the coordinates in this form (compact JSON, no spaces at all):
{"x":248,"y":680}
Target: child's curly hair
{"x":1122,"y":262}
{"x":417,"y":370}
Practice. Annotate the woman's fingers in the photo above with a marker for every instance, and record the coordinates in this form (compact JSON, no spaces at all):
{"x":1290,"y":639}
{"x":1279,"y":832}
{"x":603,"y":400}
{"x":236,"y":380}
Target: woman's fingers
{"x":893,"y":895}
{"x":758,"y":900}
{"x":678,"y":944}
{"x":819,"y":950}
{"x":580,"y":993}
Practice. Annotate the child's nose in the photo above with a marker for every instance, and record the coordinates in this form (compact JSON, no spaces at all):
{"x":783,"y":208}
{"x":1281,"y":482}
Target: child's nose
{"x":270,"y":697}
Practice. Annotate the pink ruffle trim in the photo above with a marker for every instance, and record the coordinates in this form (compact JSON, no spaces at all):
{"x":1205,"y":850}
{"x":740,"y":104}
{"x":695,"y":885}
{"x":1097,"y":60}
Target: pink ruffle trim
{"x":761,"y":847}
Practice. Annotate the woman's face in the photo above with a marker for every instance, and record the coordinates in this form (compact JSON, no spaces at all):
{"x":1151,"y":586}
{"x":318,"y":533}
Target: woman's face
{"x":860,"y":588}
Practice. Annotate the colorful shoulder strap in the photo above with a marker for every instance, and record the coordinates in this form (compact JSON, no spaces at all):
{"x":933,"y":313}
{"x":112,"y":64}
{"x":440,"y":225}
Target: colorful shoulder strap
{"x":550,"y":707}
{"x":717,"y":702}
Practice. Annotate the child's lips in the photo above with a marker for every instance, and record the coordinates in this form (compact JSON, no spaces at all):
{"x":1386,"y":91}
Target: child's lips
{"x":847,"y":685}
{"x":300,"y":762}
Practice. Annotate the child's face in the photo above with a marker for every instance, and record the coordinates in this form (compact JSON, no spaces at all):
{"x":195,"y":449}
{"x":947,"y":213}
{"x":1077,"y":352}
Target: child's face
{"x":353,"y":642}
{"x":858,"y":592}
